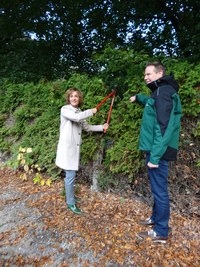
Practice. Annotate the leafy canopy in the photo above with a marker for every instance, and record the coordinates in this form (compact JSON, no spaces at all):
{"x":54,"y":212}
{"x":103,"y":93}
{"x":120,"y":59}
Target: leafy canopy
{"x":67,"y":33}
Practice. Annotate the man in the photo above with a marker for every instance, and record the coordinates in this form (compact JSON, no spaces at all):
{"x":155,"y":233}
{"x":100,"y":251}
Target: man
{"x":159,"y":135}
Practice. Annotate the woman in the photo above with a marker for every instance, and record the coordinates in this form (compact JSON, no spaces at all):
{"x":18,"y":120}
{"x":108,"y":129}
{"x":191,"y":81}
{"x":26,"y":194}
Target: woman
{"x":72,"y":121}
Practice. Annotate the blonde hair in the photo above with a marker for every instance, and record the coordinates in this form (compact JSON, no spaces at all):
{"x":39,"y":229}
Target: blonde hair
{"x":70,"y":91}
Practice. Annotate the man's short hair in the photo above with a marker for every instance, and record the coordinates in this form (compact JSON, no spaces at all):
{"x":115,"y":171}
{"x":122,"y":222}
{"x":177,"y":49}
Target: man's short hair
{"x":158,"y":66}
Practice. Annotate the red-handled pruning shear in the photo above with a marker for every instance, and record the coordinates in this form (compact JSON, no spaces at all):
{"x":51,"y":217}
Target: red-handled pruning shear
{"x":112,"y":94}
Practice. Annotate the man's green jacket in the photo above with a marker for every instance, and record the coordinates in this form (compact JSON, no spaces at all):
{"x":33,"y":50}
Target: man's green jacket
{"x":159,"y":133}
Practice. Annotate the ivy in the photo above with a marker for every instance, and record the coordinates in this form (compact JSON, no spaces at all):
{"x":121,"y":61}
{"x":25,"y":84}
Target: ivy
{"x":30,"y":113}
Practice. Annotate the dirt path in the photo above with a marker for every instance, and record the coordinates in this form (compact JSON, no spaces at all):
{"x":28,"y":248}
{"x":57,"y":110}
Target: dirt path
{"x":36,"y":229}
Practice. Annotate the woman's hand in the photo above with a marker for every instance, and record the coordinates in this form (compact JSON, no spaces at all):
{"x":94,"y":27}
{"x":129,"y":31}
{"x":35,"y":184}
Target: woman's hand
{"x":105,"y":126}
{"x":94,"y":110}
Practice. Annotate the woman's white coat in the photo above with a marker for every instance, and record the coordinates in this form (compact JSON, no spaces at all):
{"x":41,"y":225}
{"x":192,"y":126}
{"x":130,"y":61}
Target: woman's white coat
{"x":72,"y":121}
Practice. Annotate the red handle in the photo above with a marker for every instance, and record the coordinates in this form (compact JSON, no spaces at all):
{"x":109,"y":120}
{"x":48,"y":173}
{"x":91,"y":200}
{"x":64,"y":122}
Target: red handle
{"x":110,"y":111}
{"x":104,"y":100}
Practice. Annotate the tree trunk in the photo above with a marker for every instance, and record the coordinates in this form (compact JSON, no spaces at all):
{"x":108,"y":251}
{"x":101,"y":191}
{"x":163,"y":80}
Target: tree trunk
{"x":96,"y":171}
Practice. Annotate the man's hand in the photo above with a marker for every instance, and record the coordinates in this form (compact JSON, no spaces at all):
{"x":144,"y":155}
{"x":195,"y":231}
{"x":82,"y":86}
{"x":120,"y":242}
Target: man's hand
{"x":132,"y":98}
{"x":151,"y":166}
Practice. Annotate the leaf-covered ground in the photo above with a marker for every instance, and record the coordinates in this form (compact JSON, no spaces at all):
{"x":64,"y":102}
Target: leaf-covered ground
{"x":36,"y":229}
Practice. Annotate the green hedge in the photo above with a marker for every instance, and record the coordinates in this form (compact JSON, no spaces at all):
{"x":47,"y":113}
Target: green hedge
{"x":30,"y":112}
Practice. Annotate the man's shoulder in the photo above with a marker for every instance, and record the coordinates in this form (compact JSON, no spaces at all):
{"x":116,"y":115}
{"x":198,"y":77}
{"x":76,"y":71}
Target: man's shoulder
{"x":166,"y":89}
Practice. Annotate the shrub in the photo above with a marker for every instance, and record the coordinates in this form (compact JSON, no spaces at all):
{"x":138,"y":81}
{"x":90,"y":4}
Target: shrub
{"x":35,"y":111}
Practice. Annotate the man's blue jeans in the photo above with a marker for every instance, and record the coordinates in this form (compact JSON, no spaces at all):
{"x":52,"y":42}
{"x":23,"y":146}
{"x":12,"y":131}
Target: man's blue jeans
{"x":69,"y":186}
{"x":159,"y":187}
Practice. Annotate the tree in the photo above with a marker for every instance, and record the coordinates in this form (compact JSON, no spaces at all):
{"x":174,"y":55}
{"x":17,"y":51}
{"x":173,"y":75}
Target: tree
{"x":171,"y":26}
{"x":67,"y":32}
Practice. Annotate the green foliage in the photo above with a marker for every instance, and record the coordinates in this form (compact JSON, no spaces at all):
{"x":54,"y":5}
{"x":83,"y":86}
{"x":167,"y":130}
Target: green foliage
{"x":121,"y":68}
{"x":66,"y":34}
{"x":196,"y":130}
{"x":25,"y":163}
{"x":189,"y":81}
{"x":30,"y":113}
{"x":106,"y":180}
{"x":189,"y":92}
{"x":11,"y":96}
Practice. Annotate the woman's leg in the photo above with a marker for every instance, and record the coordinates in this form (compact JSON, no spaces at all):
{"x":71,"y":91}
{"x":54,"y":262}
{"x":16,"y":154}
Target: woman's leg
{"x":69,"y":186}
{"x":69,"y":189}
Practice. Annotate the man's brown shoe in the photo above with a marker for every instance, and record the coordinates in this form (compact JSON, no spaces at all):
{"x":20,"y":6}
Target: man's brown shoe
{"x":147,"y":222}
{"x":153,"y":236}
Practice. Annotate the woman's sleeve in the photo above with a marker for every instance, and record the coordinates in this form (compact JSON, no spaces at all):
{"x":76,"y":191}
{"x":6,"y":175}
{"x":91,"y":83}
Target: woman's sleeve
{"x":75,"y":116}
{"x":91,"y":128}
